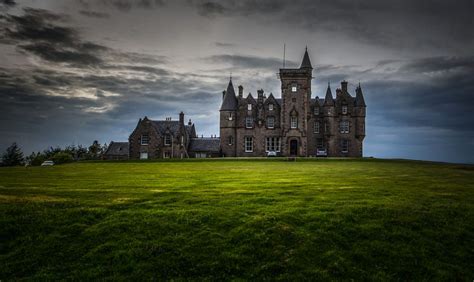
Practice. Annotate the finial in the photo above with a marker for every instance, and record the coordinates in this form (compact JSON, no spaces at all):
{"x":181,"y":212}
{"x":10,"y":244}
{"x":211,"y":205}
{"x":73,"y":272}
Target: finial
{"x":306,"y":48}
{"x":329,"y":84}
{"x":230,"y":75}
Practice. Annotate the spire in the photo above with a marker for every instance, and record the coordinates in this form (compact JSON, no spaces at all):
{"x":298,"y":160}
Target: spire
{"x":359,"y":100}
{"x":328,"y":101}
{"x":306,"y":63}
{"x":229,"y":102}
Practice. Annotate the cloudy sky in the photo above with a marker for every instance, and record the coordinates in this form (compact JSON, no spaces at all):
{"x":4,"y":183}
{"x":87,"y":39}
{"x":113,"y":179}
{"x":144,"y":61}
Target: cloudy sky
{"x":72,"y":71}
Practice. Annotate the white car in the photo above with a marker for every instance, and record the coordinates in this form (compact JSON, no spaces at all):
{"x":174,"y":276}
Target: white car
{"x":321,"y":153}
{"x":47,"y":163}
{"x":271,"y":154}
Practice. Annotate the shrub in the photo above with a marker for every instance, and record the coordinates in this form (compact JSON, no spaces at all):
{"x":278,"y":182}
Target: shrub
{"x":62,"y":157}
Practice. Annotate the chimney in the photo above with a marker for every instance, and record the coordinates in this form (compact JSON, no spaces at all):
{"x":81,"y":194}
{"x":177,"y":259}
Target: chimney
{"x":344,"y":86}
{"x":223,"y":94}
{"x":241,"y":91}
{"x":181,"y":118}
{"x":260,"y":95}
{"x":189,"y":122}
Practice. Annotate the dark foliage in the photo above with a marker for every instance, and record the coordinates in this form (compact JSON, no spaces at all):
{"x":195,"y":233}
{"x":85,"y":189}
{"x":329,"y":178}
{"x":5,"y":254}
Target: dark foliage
{"x":13,"y":156}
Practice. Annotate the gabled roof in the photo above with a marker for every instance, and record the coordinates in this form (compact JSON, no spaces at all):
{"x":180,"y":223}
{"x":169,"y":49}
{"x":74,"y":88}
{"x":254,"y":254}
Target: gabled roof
{"x":230,"y":101}
{"x":306,"y":63}
{"x":162,"y":126}
{"x":207,"y":144}
{"x":117,"y":149}
{"x":328,"y":100}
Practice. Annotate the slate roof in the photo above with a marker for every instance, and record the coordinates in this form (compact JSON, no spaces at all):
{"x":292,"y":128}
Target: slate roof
{"x":306,"y":63}
{"x":162,"y":125}
{"x":117,"y":149}
{"x":206,"y":144}
{"x":230,"y":101}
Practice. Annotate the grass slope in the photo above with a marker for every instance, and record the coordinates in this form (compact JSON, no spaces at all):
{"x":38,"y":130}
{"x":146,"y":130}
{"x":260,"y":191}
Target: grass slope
{"x":310,"y":219}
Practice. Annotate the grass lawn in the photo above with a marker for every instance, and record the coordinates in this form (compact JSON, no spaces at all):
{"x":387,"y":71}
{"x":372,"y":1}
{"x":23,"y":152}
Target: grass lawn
{"x":245,"y":219}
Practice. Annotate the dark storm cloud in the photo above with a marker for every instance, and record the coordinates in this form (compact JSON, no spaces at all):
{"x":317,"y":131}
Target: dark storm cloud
{"x":8,"y":2}
{"x":248,"y":62}
{"x":394,"y":23}
{"x":124,"y":5}
{"x":93,"y":14}
{"x":39,"y":32}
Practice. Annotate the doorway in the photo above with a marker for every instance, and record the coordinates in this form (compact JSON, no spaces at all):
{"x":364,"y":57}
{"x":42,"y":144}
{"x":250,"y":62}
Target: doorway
{"x":293,"y":148}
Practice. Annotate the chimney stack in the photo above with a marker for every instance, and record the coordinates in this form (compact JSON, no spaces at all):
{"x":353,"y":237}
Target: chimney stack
{"x":189,"y":122}
{"x":344,"y":86}
{"x":241,"y":91}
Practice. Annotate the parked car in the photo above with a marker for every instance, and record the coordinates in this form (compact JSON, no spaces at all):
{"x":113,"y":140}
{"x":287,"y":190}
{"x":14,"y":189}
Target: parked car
{"x":271,"y":154}
{"x":321,"y":153}
{"x":47,"y":163}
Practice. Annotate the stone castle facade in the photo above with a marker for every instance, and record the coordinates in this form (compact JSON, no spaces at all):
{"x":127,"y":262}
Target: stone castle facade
{"x":294,"y":125}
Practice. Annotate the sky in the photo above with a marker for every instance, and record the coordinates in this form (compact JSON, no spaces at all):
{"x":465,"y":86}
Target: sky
{"x":74,"y":71}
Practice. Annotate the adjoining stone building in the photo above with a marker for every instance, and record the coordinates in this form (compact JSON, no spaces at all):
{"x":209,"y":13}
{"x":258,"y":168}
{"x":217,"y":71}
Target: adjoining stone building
{"x":294,"y":125}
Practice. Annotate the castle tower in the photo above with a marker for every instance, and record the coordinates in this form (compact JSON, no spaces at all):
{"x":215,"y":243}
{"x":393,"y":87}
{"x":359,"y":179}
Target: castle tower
{"x":228,"y":117}
{"x":295,"y":108}
{"x":360,"y":118}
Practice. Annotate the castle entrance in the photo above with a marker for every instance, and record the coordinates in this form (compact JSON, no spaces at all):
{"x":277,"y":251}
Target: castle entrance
{"x":293,"y":148}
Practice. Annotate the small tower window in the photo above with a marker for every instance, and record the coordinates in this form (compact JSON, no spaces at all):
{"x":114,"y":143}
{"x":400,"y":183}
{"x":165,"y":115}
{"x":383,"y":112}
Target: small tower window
{"x":230,"y":116}
{"x":231,"y":140}
{"x":293,"y":88}
{"x":270,"y":107}
{"x":344,"y":110}
{"x":294,"y":122}
{"x":249,"y":107}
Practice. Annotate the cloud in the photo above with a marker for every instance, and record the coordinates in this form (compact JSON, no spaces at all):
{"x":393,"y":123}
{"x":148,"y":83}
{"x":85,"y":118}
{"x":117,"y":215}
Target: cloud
{"x":93,"y":14}
{"x":124,"y":5}
{"x":248,"y":62}
{"x":8,"y":2}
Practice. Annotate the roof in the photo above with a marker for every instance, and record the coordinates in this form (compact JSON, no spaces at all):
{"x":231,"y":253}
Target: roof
{"x":117,"y":149}
{"x":229,"y":102}
{"x":163,"y":125}
{"x":306,"y":63}
{"x":206,"y":144}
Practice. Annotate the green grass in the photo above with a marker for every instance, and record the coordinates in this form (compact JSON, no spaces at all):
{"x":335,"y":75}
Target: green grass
{"x":251,"y":220}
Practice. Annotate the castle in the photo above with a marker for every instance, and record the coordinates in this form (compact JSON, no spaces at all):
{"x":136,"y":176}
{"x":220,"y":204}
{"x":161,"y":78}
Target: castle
{"x":293,"y":125}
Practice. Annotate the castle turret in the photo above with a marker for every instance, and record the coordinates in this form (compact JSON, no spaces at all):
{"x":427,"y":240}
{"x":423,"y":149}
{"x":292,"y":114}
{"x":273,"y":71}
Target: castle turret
{"x":228,"y":119}
{"x":306,"y":63}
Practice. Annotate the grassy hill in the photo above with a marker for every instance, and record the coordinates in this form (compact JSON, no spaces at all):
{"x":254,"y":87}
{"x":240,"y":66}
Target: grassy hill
{"x":249,"y":219}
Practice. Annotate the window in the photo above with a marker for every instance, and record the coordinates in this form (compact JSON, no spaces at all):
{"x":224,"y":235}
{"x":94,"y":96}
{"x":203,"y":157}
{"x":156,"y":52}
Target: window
{"x":145,"y":139}
{"x":273,"y":144}
{"x":248,"y":122}
{"x":294,"y":122}
{"x":319,"y":143}
{"x":316,"y":111}
{"x":230,"y":116}
{"x":344,"y":110}
{"x":316,"y":127}
{"x":293,"y":88}
{"x":344,"y":145}
{"x":143,"y":156}
{"x":329,"y":111}
{"x":270,"y":107}
{"x":344,"y":126}
{"x":166,"y":155}
{"x":231,"y":140}
{"x":248,"y":144}
{"x":167,"y":140}
{"x":270,"y":122}
{"x":249,"y":107}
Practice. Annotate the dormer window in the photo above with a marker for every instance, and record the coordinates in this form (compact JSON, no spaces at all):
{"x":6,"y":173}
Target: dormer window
{"x":249,"y":107}
{"x":167,"y":140}
{"x":344,"y":110}
{"x":248,"y":122}
{"x":316,"y":111}
{"x":270,"y":122}
{"x":270,"y":107}
{"x":293,"y":88}
{"x":145,"y":139}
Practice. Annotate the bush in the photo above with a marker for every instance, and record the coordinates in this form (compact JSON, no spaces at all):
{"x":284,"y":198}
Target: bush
{"x":61,"y":158}
{"x":37,"y":159}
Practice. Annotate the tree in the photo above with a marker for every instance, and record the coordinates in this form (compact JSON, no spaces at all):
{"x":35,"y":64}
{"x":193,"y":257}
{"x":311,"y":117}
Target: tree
{"x":62,"y":158}
{"x":13,"y":156}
